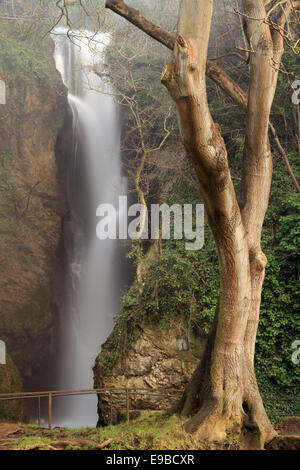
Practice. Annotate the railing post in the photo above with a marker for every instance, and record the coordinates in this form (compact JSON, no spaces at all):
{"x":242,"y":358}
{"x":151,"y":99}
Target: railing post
{"x":50,"y":410}
{"x":39,"y":411}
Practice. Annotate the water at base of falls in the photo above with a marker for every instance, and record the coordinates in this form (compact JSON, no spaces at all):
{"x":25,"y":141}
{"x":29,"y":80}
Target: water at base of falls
{"x":94,"y":281}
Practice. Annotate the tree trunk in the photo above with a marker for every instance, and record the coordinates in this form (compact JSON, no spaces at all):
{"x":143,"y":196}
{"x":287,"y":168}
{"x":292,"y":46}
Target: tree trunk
{"x":222,"y":396}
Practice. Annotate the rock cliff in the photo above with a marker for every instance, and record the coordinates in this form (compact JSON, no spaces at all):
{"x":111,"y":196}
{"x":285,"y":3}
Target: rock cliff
{"x":157,"y":359}
{"x":31,"y":201}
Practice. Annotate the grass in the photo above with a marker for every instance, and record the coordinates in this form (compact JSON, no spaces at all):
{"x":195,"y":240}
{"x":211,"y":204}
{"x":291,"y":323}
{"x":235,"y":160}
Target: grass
{"x":151,"y":431}
{"x":29,"y":441}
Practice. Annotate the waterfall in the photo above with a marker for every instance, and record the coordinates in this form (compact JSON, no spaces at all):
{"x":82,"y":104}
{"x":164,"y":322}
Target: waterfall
{"x":94,"y":267}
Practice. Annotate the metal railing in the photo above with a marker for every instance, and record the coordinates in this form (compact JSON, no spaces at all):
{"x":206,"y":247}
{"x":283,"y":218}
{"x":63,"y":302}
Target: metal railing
{"x":127,"y":392}
{"x":105,"y":391}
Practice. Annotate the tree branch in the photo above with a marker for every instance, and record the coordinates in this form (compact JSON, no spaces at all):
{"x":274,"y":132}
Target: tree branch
{"x":285,"y":157}
{"x":213,"y":71}
{"x":137,"y":19}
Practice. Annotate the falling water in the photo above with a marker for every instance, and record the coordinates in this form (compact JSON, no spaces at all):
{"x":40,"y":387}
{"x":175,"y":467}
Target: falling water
{"x":95,"y":267}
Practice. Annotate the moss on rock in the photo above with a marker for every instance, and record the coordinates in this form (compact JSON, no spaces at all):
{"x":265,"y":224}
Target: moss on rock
{"x":10,"y":382}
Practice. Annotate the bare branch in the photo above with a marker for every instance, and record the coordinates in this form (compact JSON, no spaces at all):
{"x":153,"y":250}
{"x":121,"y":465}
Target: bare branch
{"x":137,"y":19}
{"x":213,"y":71}
{"x":285,"y":157}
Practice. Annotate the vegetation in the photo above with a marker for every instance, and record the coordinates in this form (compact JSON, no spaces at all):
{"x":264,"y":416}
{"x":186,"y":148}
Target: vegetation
{"x":10,"y":380}
{"x":149,"y":431}
{"x":20,"y":60}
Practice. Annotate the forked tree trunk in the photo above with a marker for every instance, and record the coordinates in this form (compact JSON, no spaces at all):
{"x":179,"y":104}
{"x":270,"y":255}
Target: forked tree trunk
{"x":223,"y":394}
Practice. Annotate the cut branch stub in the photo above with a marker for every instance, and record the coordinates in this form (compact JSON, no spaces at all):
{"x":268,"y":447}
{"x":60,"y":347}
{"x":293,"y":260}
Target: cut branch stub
{"x":181,"y":42}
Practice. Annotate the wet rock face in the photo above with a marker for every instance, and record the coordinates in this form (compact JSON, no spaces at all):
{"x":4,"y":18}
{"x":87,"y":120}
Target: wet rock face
{"x":31,"y":210}
{"x":157,"y":359}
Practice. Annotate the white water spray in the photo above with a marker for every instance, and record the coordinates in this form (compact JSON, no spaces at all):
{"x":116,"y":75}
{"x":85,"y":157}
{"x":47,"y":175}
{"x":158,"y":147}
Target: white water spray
{"x":95,"y":266}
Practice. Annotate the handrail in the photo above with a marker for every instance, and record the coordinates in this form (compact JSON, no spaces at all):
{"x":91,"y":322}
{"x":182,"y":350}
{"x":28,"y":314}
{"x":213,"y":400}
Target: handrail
{"x":87,"y":391}
{"x":127,"y":391}
{"x":98,"y":391}
{"x":122,"y":390}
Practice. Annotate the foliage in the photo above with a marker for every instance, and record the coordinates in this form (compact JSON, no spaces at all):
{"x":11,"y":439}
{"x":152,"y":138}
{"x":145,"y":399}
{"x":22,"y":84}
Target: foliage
{"x":10,"y":382}
{"x":178,"y":283}
{"x":22,"y":62}
{"x":279,"y":321}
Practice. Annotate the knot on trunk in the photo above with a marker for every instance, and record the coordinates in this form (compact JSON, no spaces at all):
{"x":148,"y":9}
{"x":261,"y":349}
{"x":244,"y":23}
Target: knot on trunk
{"x":258,"y":261}
{"x":182,"y":44}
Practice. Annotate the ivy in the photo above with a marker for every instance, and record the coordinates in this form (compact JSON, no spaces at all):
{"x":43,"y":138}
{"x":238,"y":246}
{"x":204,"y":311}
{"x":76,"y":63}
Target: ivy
{"x":22,"y":62}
